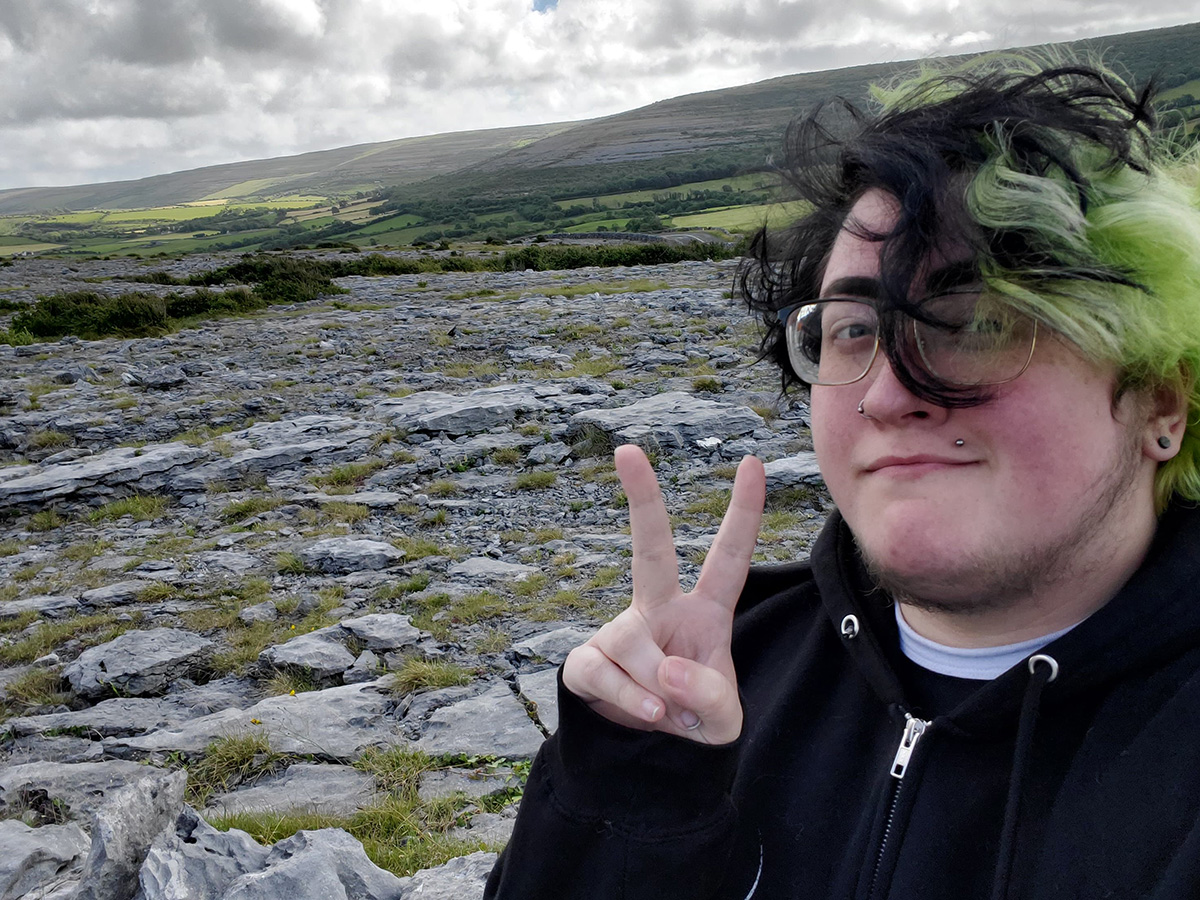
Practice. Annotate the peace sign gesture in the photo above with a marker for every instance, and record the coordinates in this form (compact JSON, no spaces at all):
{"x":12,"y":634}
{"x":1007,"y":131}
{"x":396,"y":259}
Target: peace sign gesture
{"x":664,"y":664}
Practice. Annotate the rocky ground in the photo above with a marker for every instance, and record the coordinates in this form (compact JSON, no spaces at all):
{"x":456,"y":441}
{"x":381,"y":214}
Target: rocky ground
{"x":312,"y":571}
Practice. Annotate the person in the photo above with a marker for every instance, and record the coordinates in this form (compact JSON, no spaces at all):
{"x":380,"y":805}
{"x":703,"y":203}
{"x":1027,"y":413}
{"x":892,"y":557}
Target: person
{"x":985,"y":683}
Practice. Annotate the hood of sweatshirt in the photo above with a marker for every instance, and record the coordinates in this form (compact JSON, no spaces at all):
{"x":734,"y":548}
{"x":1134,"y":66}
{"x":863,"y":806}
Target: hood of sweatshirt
{"x":1154,"y":618}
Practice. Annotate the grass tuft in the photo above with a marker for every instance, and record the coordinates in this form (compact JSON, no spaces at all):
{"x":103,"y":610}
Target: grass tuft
{"x":421,"y":675}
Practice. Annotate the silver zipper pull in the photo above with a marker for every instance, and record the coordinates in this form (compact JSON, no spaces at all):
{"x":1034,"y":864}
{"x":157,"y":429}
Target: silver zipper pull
{"x":908,"y":743}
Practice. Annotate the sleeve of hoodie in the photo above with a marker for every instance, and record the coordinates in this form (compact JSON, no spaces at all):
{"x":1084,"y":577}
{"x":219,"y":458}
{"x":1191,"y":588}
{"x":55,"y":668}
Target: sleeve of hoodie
{"x":613,"y":812}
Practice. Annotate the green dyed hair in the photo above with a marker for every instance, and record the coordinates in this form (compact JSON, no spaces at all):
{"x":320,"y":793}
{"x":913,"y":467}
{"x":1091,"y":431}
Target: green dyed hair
{"x":1079,"y":213}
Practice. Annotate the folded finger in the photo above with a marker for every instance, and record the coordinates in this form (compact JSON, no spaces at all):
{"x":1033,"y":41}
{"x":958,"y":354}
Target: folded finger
{"x":703,"y":703}
{"x":601,"y":683}
{"x":628,"y":643}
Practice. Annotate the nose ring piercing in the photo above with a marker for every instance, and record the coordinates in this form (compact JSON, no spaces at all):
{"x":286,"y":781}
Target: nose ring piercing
{"x":862,"y":413}
{"x":959,"y":442}
{"x":1163,"y":440}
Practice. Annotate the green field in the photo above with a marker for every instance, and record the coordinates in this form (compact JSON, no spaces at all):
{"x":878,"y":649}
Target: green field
{"x":743,"y":218}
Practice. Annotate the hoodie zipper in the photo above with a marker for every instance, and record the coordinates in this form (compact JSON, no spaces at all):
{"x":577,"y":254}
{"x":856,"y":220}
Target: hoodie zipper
{"x":914,"y":728}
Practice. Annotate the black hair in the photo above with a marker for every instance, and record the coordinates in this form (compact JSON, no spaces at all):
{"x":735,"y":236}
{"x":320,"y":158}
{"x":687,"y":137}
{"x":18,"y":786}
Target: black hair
{"x":934,"y":133}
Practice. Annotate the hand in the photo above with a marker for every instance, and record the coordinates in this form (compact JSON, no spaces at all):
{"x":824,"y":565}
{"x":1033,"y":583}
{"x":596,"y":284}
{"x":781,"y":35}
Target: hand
{"x":664,"y":664}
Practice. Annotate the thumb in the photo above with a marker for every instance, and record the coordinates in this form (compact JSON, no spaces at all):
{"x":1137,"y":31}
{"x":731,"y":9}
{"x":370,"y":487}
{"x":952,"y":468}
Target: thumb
{"x":704,"y":703}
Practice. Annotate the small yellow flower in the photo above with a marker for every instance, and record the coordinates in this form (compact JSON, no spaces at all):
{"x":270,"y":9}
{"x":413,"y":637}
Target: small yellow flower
{"x":291,"y":693}
{"x":256,"y":721}
{"x":293,"y":628}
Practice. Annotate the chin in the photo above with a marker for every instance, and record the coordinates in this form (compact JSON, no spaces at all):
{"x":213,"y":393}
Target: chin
{"x":920,"y":563}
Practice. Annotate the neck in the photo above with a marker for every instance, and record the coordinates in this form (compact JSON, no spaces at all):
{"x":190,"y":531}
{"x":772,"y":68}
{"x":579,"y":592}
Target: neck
{"x":1077,"y":588}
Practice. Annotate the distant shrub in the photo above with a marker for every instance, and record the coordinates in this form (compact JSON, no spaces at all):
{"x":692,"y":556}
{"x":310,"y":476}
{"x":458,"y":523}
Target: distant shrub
{"x":89,"y":314}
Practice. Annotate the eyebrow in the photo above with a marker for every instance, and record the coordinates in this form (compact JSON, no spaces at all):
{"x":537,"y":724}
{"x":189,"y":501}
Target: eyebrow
{"x":940,"y":280}
{"x":853,"y":286}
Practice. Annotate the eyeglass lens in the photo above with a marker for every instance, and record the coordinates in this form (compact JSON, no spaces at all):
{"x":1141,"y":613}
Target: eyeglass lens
{"x":835,"y":341}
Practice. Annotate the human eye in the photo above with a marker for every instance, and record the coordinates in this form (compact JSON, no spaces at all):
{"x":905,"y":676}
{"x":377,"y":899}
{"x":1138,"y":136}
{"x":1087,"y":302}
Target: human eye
{"x":848,"y":321}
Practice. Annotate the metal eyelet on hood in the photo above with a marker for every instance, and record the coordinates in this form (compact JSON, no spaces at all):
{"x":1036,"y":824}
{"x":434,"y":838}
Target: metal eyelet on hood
{"x":1048,"y":660}
{"x":850,"y":627}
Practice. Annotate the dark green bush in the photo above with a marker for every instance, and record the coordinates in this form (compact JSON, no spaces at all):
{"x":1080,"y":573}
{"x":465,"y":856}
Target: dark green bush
{"x":89,"y":314}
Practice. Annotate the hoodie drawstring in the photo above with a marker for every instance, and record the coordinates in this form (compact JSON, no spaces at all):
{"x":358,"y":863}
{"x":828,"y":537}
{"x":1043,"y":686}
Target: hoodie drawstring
{"x":1043,"y":669}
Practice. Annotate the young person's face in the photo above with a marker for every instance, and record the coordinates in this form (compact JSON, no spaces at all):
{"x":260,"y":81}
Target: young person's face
{"x":1049,"y":470}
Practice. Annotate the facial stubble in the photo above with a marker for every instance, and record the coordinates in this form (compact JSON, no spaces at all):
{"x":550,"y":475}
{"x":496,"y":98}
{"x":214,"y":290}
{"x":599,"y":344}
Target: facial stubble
{"x":1013,"y":580}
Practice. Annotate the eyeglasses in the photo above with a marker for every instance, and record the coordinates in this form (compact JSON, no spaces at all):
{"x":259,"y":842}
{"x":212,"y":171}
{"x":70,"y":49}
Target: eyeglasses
{"x":835,"y":340}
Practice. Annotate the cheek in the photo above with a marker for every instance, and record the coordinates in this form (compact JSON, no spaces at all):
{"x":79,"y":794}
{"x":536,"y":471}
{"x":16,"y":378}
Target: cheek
{"x":832,"y":433}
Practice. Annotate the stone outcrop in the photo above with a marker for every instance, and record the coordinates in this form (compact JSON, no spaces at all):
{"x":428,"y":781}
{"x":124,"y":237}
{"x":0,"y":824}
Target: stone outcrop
{"x":341,"y":532}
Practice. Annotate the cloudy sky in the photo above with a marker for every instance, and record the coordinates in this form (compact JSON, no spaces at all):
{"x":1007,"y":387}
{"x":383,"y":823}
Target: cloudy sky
{"x":101,"y":90}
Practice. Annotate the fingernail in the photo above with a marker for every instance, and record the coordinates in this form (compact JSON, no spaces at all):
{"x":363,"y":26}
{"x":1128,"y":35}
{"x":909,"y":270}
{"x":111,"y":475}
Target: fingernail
{"x":689,"y":719}
{"x":650,"y":710}
{"x":676,"y":675}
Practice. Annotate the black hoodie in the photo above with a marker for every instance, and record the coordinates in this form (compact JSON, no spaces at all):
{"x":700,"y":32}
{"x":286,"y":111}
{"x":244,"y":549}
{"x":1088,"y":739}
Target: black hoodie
{"x":1074,"y":776}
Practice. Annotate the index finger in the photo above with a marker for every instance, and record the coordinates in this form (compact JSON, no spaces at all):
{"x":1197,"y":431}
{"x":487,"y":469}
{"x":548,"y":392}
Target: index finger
{"x":655,"y":568}
{"x":724,"y":571}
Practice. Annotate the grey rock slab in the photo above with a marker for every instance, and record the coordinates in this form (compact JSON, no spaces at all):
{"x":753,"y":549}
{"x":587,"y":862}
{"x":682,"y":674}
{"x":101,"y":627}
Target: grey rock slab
{"x":372,"y":499}
{"x":58,"y":748}
{"x":484,"y":568}
{"x":122,"y":831}
{"x":119,"y":716}
{"x":82,"y":786}
{"x":117,"y":594}
{"x":793,"y":471}
{"x":488,"y":828}
{"x":228,"y":561}
{"x":338,"y":723}
{"x":383,"y":631}
{"x":137,"y":662}
{"x":541,"y":689}
{"x":319,"y":654}
{"x":553,"y":646}
{"x":365,"y":668}
{"x":462,"y":878}
{"x":49,"y":606}
{"x":494,"y":722}
{"x":343,"y":555}
{"x":259,"y":612}
{"x":675,"y":420}
{"x":35,"y":858}
{"x":434,"y":411}
{"x":194,"y":861}
{"x":327,"y":864}
{"x":554,"y":452}
{"x":304,"y":787}
{"x":147,"y":468}
{"x":467,"y":782}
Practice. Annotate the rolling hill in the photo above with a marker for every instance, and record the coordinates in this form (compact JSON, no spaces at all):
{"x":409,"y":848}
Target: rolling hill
{"x":471,"y":176}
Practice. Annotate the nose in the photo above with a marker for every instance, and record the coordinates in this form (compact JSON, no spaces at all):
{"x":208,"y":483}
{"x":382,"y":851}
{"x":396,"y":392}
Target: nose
{"x":887,"y":400}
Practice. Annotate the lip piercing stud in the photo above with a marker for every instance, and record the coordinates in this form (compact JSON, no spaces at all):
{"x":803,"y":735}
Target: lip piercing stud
{"x":1163,"y":440}
{"x":959,"y":442}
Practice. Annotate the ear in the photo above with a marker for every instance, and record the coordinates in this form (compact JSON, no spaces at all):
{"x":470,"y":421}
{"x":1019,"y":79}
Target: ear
{"x":1166,"y":417}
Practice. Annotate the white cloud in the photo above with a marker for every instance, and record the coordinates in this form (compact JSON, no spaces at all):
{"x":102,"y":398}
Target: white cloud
{"x":104,"y":89}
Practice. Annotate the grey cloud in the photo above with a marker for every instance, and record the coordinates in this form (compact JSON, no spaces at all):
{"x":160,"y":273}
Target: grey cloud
{"x":255,"y":27}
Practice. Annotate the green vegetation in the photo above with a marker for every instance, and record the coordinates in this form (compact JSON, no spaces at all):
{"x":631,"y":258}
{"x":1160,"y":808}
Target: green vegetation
{"x":421,"y":674}
{"x":228,"y":762}
{"x":290,"y":564}
{"x":251,"y":506}
{"x":90,"y":630}
{"x":535,"y":481}
{"x":142,"y":507}
{"x":400,"y":833}
{"x":46,"y":520}
{"x":277,"y":279}
{"x":32,"y":690}
{"x":49,"y":440}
